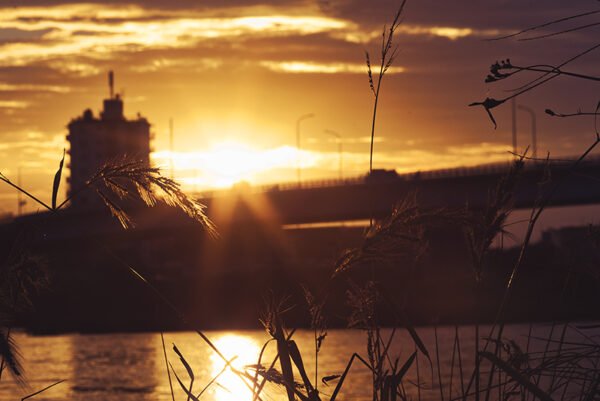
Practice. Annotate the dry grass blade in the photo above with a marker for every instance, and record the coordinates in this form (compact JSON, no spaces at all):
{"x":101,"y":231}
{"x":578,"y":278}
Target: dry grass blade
{"x":42,"y":390}
{"x":183,"y":387}
{"x":11,"y":356}
{"x":274,"y":376}
{"x":272,"y":323}
{"x":406,"y":366}
{"x":297,"y":359}
{"x":343,"y":376}
{"x":284,"y":358}
{"x":162,"y":339}
{"x":326,"y":379}
{"x":131,"y":179}
{"x":216,"y":377}
{"x":117,"y":212}
{"x":437,"y":360}
{"x":56,"y":183}
{"x":516,"y":375}
{"x":189,"y":370}
{"x":6,"y":180}
{"x":257,"y":390}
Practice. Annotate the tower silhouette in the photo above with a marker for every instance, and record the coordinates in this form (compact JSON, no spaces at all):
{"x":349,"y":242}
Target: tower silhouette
{"x":95,"y":141}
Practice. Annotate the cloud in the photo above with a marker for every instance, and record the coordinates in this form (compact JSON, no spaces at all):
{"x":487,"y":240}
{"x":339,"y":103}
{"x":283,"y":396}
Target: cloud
{"x":67,"y":33}
{"x":13,"y":104}
{"x":8,"y":35}
{"x":307,"y":67}
{"x":449,"y":32}
{"x":99,"y":31}
{"x":162,"y":63}
{"x":73,"y":67}
{"x":11,"y":87}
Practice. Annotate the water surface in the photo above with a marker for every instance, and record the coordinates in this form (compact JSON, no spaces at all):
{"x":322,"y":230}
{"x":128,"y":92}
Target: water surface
{"x":128,"y":367}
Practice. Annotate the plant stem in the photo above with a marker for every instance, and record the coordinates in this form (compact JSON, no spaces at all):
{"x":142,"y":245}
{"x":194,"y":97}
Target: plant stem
{"x":18,"y":188}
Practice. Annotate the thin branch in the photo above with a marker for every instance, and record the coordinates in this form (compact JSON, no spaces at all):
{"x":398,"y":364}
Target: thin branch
{"x":545,"y":68}
{"x":548,"y":35}
{"x":490,"y":103}
{"x":162,"y":338}
{"x":546,"y":24}
{"x":579,"y":113}
{"x":23,"y":191}
{"x":42,"y":390}
{"x":542,"y":159}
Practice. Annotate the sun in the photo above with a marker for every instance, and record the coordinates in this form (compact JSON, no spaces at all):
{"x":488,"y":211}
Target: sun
{"x":228,"y":162}
{"x":231,"y":162}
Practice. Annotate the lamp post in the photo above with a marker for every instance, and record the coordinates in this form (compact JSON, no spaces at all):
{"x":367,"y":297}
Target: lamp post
{"x":513,"y":106}
{"x":339,"y":142}
{"x":298,"y":121}
{"x":533,"y":128}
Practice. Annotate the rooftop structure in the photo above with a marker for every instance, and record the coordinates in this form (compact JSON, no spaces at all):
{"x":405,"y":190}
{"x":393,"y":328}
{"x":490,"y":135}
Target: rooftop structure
{"x":95,"y":141}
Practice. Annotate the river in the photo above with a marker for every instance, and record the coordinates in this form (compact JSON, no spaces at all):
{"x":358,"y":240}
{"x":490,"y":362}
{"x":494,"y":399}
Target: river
{"x":128,"y":367}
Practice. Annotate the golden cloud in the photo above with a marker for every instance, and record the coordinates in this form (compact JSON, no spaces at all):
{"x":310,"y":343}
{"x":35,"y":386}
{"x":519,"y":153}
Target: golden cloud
{"x":307,"y":67}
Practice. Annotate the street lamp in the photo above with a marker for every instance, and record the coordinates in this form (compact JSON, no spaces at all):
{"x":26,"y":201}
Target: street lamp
{"x":300,"y":119}
{"x":339,"y":142}
{"x":533,"y":128}
{"x":513,"y":107}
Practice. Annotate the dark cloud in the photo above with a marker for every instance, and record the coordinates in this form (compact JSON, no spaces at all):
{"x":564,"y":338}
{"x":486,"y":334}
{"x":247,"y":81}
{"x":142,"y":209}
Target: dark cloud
{"x":168,"y":5}
{"x":14,"y":35}
{"x":511,"y":14}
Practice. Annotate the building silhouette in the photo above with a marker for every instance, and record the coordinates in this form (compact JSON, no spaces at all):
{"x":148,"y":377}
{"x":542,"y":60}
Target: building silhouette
{"x":95,"y":141}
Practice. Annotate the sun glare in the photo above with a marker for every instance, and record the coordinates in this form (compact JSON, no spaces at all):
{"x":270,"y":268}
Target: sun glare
{"x":245,"y":350}
{"x":230,"y":162}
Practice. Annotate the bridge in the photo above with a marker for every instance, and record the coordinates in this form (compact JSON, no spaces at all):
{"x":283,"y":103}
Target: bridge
{"x":375,"y":195}
{"x":257,"y":255}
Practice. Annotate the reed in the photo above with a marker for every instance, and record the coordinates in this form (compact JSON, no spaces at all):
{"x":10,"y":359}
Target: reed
{"x":563,"y":364}
{"x":25,"y":274}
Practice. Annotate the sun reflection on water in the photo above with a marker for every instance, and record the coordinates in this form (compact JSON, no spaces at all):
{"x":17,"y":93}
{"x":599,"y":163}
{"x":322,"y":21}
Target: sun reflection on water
{"x":230,"y":386}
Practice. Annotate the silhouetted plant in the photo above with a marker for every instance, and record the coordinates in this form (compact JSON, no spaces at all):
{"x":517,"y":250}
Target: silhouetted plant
{"x":504,"y":69}
{"x":129,"y":179}
{"x":388,"y":54}
{"x":319,"y":326}
{"x":484,"y":227}
{"x":24,"y":274}
{"x":398,"y":237}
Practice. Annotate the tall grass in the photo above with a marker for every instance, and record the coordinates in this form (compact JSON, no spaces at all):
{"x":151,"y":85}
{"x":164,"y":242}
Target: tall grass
{"x":563,"y":364}
{"x":549,"y":368}
{"x":24,"y":274}
{"x":388,"y":54}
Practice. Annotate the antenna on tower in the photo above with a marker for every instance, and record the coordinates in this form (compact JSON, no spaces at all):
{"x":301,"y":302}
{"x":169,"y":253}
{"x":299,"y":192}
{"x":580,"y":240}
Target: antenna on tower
{"x":111,"y":84}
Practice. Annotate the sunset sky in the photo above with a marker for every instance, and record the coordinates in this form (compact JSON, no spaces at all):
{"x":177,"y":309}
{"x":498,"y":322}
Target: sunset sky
{"x":236,"y":75}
